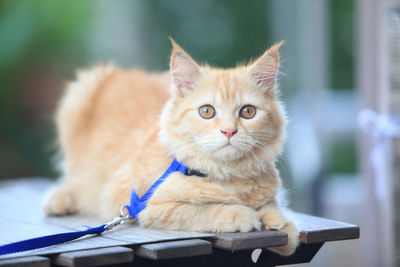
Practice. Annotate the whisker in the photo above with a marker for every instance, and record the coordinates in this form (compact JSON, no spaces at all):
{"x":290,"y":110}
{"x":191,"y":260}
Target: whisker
{"x":184,"y":148}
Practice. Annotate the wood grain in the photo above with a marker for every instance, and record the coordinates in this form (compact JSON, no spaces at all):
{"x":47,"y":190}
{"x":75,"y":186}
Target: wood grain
{"x":174,"y":249}
{"x":21,"y":218}
{"x":242,"y":241}
{"x":318,"y":230}
{"x":95,"y":257}
{"x":33,"y":261}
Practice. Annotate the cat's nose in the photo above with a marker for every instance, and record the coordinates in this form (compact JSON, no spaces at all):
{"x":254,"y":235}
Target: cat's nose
{"x":229,"y":132}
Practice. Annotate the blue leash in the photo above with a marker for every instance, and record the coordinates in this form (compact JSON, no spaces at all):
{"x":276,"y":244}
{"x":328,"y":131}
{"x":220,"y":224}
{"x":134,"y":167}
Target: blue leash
{"x":136,"y":206}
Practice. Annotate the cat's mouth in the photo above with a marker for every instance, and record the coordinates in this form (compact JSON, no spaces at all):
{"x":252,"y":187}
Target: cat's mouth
{"x":227,"y":152}
{"x":228,"y":145}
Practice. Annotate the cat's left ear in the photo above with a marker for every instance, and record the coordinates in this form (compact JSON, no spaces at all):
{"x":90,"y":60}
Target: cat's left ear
{"x":265,"y":69}
{"x":183,"y":68}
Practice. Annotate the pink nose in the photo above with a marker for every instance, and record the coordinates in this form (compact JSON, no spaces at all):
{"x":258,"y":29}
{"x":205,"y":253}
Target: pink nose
{"x":229,"y":132}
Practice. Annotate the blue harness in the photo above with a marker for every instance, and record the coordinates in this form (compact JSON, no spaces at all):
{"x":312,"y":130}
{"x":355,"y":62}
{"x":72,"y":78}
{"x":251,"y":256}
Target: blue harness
{"x":136,"y":206}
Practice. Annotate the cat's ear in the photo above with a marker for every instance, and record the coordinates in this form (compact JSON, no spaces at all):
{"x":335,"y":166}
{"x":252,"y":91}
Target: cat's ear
{"x":183,"y":68}
{"x":264,"y":70}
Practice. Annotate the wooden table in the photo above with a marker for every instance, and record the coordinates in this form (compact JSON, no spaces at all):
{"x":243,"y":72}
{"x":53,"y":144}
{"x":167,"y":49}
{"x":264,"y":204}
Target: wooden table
{"x":21,"y":218}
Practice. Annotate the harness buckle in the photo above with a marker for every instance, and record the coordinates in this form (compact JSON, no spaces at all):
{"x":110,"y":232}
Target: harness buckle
{"x":121,"y":219}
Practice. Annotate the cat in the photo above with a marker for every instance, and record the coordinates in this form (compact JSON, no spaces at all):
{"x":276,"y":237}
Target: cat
{"x":120,"y":130}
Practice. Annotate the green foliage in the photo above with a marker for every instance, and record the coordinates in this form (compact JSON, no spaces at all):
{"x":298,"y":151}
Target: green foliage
{"x":33,"y":34}
{"x":42,"y":42}
{"x":221,"y":33}
{"x":343,"y":157}
{"x":342,"y":50}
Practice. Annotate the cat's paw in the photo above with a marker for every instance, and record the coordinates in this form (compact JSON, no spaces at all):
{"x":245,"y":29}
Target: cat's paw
{"x":59,"y":201}
{"x":237,"y":218}
{"x":293,"y":240}
{"x":273,"y":221}
{"x":208,"y":218}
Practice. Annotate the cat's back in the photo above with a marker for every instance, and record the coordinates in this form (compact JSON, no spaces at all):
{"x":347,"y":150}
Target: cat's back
{"x":107,"y":110}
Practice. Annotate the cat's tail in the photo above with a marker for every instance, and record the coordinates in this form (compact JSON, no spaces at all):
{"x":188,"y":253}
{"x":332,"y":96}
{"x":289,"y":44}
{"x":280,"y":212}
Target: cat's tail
{"x":74,"y":108}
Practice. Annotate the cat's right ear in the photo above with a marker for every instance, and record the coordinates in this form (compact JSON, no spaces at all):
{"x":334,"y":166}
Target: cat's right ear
{"x":264,"y":70}
{"x":183,"y":68}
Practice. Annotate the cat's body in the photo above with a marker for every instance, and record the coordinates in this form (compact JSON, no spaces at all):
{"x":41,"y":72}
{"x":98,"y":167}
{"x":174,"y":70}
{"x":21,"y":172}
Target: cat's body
{"x":112,"y":140}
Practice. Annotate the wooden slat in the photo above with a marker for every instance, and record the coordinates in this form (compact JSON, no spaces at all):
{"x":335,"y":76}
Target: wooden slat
{"x":21,"y":218}
{"x":174,"y":249}
{"x":318,"y":230}
{"x":242,"y":241}
{"x":33,"y":261}
{"x":312,"y":230}
{"x":95,"y":257}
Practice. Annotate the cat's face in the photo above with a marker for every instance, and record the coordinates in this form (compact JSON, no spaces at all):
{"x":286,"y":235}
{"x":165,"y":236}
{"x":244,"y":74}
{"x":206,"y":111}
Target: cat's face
{"x":224,"y":115}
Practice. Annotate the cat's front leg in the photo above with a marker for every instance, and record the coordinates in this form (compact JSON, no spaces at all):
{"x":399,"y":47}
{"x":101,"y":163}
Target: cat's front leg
{"x":200,"y":217}
{"x":60,"y":201}
{"x":196,"y":204}
{"x":272,"y":218}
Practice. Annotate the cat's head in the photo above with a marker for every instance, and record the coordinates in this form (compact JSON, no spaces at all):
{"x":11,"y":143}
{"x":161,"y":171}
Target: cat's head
{"x":224,"y":121}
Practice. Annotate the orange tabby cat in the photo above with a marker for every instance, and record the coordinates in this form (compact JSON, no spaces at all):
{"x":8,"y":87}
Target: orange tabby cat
{"x":227,"y":124}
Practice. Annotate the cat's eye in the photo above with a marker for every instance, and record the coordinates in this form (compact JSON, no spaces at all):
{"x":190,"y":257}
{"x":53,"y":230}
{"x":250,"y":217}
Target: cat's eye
{"x":247,"y":112}
{"x":207,"y":112}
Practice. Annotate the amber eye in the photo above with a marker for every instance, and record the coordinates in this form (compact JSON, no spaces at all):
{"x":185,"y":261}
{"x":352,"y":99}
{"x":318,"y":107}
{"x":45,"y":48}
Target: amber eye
{"x":207,"y":111}
{"x":247,"y":112}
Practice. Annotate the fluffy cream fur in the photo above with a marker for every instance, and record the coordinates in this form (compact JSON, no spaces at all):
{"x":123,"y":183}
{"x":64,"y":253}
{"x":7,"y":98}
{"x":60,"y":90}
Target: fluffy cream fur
{"x":113,"y":140}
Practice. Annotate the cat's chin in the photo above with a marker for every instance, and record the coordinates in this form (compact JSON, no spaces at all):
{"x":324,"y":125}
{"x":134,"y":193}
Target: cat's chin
{"x":227,"y":153}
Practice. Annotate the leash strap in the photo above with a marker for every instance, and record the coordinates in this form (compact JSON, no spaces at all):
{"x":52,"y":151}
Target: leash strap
{"x":50,"y":240}
{"x":136,"y":206}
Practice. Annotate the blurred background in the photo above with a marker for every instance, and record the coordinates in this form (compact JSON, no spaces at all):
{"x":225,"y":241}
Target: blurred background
{"x":340,"y":56}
